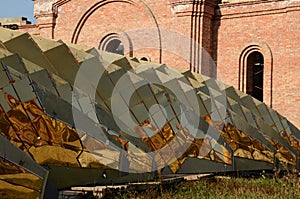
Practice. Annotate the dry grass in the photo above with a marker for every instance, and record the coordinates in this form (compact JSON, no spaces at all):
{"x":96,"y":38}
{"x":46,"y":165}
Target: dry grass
{"x":222,"y":187}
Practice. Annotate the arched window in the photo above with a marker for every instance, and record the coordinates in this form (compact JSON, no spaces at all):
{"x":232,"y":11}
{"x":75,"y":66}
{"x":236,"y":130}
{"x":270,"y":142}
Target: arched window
{"x":255,"y":75}
{"x":146,"y":59}
{"x":256,"y":71}
{"x":112,"y":43}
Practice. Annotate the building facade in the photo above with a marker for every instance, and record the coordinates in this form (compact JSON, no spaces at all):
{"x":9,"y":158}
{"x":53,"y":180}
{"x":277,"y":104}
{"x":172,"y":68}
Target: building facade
{"x":253,"y":45}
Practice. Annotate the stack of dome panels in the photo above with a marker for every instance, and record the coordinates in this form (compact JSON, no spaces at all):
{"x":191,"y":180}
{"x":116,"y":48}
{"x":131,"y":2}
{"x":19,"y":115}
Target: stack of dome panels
{"x":71,"y":115}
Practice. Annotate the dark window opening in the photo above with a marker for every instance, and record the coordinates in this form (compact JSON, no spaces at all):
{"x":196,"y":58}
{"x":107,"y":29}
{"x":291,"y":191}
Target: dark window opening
{"x":11,"y":26}
{"x":115,"y":46}
{"x":145,"y":59}
{"x":255,"y":75}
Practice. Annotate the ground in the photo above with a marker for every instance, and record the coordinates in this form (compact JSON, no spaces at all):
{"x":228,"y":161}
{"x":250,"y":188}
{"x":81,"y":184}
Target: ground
{"x":217,"y":187}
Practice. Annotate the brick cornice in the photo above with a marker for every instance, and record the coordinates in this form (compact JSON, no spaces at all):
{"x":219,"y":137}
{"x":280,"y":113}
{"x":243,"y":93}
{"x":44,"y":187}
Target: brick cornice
{"x":41,"y":15}
{"x":207,"y":8}
{"x":181,"y":2}
{"x":247,"y":3}
{"x":27,"y":26}
{"x":257,"y":8}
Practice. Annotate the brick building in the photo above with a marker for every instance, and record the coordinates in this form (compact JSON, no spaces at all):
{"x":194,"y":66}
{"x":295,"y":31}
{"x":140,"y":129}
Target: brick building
{"x":253,"y":45}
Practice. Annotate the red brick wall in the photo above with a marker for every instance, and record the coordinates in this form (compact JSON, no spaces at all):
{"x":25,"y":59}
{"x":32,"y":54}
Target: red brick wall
{"x":32,"y":28}
{"x":228,"y":34}
{"x":98,"y":18}
{"x":274,"y":27}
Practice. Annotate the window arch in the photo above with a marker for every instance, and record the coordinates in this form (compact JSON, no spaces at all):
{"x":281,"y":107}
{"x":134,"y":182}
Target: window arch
{"x":146,"y":58}
{"x":112,"y":43}
{"x":256,"y":71}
